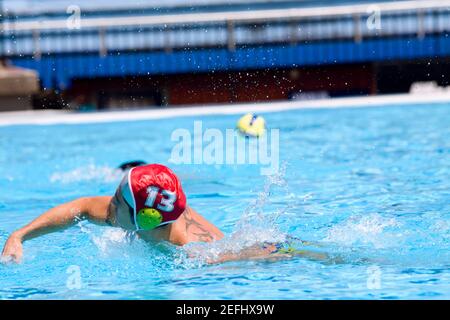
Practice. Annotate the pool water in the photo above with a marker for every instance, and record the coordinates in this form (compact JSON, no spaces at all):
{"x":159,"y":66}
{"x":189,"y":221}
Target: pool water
{"x":371,"y":185}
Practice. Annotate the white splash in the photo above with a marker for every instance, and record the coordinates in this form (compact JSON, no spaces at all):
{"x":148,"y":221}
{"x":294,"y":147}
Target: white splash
{"x":88,"y":173}
{"x":111,"y":239}
{"x":254,"y":228}
{"x":368,"y":229}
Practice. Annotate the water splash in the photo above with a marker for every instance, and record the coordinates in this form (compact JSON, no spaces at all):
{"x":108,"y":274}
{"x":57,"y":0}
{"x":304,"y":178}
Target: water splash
{"x":113,"y":241}
{"x":256,"y":209}
{"x":255,"y":227}
{"x":371,"y":229}
{"x":116,"y":246}
{"x":90,"y":172}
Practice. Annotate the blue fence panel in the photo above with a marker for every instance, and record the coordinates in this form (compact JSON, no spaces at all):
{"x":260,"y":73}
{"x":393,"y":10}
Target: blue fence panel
{"x":58,"y":70}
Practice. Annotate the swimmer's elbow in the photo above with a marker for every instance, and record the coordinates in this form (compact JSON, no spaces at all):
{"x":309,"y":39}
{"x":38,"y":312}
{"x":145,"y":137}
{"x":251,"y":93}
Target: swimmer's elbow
{"x":94,"y":209}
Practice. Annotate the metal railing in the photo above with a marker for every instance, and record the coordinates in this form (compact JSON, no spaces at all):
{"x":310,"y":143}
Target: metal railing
{"x":225,"y":29}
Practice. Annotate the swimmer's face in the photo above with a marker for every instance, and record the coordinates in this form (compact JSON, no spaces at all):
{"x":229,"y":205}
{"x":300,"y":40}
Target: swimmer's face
{"x":121,"y":213}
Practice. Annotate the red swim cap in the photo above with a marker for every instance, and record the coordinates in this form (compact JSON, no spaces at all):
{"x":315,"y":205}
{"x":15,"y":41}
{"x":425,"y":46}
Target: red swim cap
{"x":154,"y":186}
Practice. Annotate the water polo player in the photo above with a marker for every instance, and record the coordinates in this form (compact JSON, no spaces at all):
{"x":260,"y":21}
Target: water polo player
{"x":148,"y":201}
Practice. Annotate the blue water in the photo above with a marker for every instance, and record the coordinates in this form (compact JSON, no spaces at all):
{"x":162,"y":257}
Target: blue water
{"x":371,"y":185}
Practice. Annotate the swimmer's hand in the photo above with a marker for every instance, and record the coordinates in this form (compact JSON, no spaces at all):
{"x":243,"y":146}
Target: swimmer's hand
{"x":12,"y":250}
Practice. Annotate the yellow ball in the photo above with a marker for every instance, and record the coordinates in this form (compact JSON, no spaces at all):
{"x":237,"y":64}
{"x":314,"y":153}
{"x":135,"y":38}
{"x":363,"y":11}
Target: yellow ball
{"x":149,"y":218}
{"x":251,"y":125}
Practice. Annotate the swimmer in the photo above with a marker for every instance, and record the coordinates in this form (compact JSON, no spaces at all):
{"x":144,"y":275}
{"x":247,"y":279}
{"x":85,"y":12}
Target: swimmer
{"x":150,"y":202}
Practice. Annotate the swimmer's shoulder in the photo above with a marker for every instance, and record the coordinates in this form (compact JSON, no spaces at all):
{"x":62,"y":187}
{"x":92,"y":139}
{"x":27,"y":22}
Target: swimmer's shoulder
{"x":198,"y":228}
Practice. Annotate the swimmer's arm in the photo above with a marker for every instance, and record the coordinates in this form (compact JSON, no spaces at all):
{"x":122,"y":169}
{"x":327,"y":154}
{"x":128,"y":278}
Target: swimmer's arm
{"x":255,"y":252}
{"x":270,"y":253}
{"x":94,"y":209}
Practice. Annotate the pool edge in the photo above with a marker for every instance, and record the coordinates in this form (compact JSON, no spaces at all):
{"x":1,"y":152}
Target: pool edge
{"x":48,"y":117}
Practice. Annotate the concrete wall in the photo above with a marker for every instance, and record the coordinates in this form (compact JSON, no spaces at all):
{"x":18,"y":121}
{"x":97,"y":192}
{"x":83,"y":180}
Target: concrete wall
{"x":17,"y":86}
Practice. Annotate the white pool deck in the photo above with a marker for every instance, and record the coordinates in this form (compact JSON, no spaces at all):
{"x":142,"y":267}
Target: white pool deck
{"x":46,"y":117}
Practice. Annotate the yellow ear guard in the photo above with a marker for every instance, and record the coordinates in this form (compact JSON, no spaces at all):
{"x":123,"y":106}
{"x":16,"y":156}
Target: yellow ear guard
{"x":148,"y":218}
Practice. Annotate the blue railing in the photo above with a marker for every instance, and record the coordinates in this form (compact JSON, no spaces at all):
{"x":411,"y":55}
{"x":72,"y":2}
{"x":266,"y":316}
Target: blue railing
{"x":212,"y":41}
{"x":37,"y":40}
{"x":49,"y":8}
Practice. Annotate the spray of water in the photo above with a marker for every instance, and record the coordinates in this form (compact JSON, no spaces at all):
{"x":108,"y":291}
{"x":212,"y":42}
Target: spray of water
{"x":90,"y":172}
{"x":255,"y":227}
{"x":371,"y":229}
{"x":128,"y":251}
